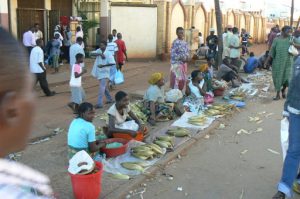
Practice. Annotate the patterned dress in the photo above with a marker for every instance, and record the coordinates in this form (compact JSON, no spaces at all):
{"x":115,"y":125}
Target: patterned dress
{"x":179,"y":51}
{"x":282,"y":62}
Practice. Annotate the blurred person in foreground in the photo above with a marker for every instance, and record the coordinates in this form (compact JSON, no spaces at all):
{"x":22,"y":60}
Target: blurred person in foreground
{"x":290,"y":178}
{"x":17,"y":104}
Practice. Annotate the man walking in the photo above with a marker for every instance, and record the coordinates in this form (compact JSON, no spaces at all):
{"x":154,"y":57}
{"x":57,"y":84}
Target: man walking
{"x":37,"y":67}
{"x":101,"y":71}
{"x":29,"y":39}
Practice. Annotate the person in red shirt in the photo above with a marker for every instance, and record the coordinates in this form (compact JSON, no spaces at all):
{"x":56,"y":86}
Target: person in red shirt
{"x":121,"y":52}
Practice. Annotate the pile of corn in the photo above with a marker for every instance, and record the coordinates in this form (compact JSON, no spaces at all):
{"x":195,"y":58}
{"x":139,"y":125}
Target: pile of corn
{"x":136,"y":109}
{"x":164,"y":141}
{"x":178,"y":132}
{"x":147,"y":151}
{"x":220,"y":109}
{"x":197,"y":120}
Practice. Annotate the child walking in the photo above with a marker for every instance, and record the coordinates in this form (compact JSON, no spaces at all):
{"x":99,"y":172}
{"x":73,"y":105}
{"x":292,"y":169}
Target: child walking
{"x":78,"y":94}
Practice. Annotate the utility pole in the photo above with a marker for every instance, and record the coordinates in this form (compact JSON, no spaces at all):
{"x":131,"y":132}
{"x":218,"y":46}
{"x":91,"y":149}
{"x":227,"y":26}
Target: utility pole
{"x":292,"y":14}
{"x":219,"y":28}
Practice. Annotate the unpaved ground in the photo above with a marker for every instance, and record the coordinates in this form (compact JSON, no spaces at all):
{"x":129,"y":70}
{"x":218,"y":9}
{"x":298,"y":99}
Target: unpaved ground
{"x":50,"y":157}
{"x":221,"y":168}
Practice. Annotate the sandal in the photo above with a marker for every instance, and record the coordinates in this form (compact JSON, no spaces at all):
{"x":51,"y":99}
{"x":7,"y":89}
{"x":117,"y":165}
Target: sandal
{"x":279,"y":195}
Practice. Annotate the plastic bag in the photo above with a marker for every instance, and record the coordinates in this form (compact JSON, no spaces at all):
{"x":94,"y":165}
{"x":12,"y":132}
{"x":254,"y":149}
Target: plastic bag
{"x":129,"y":125}
{"x":119,"y":77}
{"x":284,"y":136}
{"x":173,"y":95}
{"x":293,"y":50}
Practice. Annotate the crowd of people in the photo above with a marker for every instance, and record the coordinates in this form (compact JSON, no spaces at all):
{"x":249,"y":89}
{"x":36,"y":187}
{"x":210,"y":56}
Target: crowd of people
{"x":16,"y":98}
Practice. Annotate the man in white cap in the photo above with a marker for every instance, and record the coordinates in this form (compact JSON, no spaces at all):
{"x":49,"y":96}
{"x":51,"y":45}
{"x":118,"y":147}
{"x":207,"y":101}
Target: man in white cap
{"x":212,"y":43}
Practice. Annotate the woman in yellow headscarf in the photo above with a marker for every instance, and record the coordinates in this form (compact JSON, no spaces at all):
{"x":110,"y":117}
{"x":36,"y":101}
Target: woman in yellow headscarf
{"x":154,"y":98}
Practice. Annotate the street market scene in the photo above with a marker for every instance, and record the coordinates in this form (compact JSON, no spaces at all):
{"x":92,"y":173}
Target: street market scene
{"x":158,"y":99}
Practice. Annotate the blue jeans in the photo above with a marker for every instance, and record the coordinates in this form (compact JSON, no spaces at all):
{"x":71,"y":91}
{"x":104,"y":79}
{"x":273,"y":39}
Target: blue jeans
{"x":103,"y":90}
{"x":292,"y":160}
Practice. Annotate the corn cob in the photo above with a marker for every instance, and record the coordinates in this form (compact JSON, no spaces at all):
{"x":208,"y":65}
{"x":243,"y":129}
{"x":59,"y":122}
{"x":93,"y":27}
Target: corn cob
{"x":132,"y":166}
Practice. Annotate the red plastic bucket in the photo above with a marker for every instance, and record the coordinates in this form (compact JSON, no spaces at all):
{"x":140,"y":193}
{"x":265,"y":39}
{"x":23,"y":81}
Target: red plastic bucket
{"x":87,"y":186}
{"x":115,"y":151}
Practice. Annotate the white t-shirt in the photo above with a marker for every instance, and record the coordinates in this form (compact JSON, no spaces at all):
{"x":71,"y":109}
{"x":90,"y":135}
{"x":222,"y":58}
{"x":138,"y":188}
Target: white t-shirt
{"x":112,"y":47}
{"x":74,"y":50}
{"x":75,"y":82}
{"x":29,"y":39}
{"x":36,"y":57}
{"x":119,"y":118}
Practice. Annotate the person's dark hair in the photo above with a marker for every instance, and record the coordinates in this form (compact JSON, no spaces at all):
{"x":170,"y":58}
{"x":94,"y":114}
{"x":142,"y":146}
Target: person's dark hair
{"x":235,"y":30}
{"x":79,"y":39}
{"x":119,"y":35}
{"x":78,"y":28}
{"x":38,"y":41}
{"x":36,"y":24}
{"x":103,"y":42}
{"x":84,"y":107}
{"x":251,"y":54}
{"x":285,"y":28}
{"x":114,"y":30}
{"x":110,"y":37}
{"x":179,"y":29}
{"x":195,"y":74}
{"x":200,"y":34}
{"x":120,"y":95}
{"x":193,"y":27}
{"x":226,"y":61}
{"x":12,"y":70}
{"x":267,"y":53}
{"x":79,"y":56}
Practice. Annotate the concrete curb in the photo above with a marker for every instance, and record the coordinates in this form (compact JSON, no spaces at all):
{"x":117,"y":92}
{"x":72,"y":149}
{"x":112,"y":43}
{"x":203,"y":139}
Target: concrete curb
{"x":122,"y":191}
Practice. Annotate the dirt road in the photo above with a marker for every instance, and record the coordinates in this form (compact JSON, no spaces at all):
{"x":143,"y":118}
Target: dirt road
{"x":227,"y":165}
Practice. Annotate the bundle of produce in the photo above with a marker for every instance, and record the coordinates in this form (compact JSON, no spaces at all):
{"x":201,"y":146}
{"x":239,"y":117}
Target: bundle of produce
{"x":238,"y":94}
{"x":178,"y":132}
{"x":164,"y":141}
{"x":219,"y":109}
{"x":147,"y":151}
{"x":197,"y":120}
{"x":136,"y":109}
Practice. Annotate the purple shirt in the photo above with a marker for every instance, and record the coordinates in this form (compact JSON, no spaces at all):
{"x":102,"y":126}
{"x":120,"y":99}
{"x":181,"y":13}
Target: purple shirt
{"x":179,"y":50}
{"x":29,"y":39}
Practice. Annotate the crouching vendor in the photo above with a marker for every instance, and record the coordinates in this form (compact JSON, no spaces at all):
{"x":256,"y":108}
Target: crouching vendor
{"x":154,"y":100}
{"x":122,"y":122}
{"x":82,"y":132}
{"x":194,"y":100}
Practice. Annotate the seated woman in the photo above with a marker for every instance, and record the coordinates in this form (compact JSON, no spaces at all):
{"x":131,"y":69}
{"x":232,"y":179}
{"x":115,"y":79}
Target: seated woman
{"x":227,"y":73}
{"x":154,"y":100}
{"x":194,"y":101}
{"x":82,"y":132}
{"x":119,"y":125}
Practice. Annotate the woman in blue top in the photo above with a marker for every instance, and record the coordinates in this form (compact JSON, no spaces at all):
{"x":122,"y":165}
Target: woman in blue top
{"x":82,"y":132}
